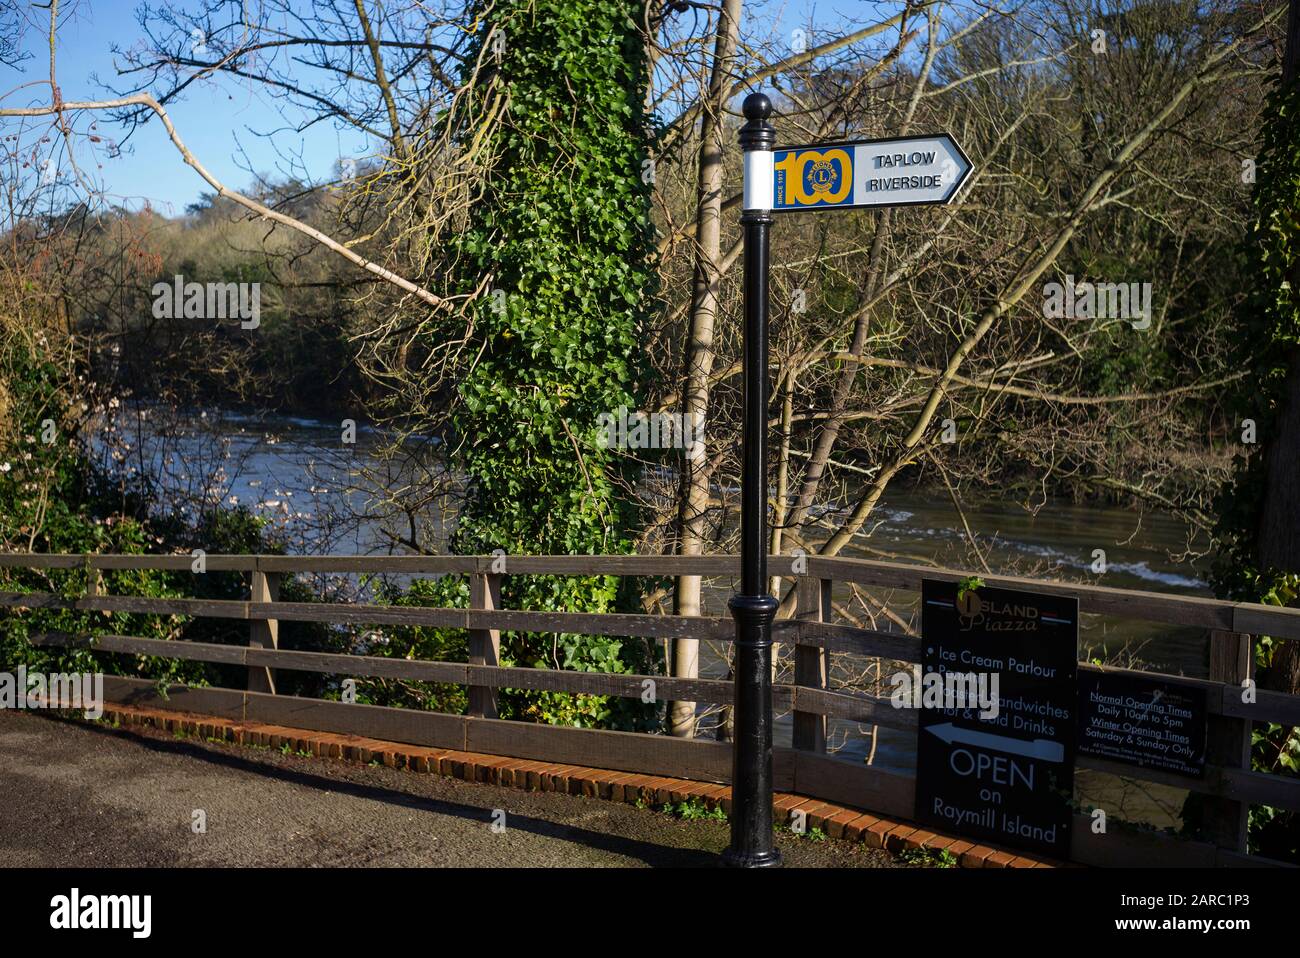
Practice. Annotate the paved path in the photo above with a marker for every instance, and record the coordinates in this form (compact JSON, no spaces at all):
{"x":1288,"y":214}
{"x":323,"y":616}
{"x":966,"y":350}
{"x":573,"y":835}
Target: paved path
{"x":75,"y":794}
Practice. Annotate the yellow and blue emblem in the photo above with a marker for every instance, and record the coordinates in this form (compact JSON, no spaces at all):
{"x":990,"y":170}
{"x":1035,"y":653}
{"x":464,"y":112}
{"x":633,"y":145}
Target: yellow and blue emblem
{"x":807,"y":178}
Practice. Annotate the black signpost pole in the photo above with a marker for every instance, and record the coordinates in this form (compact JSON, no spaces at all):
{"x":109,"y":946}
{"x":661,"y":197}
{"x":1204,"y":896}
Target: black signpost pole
{"x":824,"y":176}
{"x":752,"y":608}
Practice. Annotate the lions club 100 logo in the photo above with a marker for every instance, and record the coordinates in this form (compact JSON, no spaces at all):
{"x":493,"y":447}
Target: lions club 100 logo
{"x":813,"y":178}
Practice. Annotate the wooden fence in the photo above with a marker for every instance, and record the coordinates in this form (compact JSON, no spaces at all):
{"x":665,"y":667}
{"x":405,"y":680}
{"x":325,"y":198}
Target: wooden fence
{"x":805,"y":768}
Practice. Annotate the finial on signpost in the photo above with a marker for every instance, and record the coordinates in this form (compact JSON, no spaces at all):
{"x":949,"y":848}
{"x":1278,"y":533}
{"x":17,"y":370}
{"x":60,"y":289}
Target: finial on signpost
{"x":757,"y":133}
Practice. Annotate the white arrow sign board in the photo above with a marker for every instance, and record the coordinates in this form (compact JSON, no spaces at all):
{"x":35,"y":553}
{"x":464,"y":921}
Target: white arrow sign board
{"x":907,"y":171}
{"x":1038,"y":748}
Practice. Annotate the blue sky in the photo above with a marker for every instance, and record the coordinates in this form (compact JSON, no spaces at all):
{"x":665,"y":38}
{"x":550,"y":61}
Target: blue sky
{"x":216,"y":120}
{"x":219,"y":122}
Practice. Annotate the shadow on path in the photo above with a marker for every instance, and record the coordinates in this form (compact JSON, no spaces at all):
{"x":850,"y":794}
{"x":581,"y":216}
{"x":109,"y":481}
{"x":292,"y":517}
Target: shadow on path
{"x":648,"y":852}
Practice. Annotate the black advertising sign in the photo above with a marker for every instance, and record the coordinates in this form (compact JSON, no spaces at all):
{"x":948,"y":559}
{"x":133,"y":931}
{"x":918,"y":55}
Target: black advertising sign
{"x":1001,"y":768}
{"x":1144,"y":722}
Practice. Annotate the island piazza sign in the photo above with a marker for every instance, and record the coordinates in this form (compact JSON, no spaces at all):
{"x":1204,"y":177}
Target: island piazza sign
{"x":1005,"y":774}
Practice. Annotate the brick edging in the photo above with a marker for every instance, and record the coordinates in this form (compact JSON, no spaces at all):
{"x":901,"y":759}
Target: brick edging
{"x":837,"y":821}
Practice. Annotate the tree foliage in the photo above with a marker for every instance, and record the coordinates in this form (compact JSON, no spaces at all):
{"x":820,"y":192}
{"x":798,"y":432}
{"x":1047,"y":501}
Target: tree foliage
{"x":1268,"y":333}
{"x":562,"y":231}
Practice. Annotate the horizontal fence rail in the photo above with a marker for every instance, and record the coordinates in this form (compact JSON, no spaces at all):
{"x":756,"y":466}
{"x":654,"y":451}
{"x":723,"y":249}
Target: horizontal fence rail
{"x":1228,"y":778}
{"x":1222,"y":614}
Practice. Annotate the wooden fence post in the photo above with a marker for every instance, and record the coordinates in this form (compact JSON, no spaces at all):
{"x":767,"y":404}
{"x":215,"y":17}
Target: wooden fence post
{"x":263,"y":633}
{"x":811,"y":662}
{"x":1227,"y":740}
{"x":484,"y":644}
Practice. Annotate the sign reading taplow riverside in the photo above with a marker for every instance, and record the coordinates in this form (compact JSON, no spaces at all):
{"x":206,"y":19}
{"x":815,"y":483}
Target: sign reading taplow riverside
{"x":1144,"y":722}
{"x":1006,"y":778}
{"x":907,"y":171}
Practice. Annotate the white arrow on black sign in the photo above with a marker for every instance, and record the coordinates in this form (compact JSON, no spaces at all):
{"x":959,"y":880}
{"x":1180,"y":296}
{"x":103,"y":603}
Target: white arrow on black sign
{"x":1041,"y":748}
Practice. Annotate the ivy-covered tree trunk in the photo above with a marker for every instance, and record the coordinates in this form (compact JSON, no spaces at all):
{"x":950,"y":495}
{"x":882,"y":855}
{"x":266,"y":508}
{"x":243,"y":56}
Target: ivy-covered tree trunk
{"x":1260,"y":518}
{"x":1278,"y":234}
{"x":1259,"y":526}
{"x":562,"y":230}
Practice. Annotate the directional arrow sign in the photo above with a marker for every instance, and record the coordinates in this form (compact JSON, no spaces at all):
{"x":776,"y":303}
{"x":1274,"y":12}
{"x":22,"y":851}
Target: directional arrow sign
{"x":905,"y":171}
{"x":1038,"y":748}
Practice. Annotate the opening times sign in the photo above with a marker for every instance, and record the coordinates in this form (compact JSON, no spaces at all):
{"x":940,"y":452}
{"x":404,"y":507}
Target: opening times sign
{"x":1005,"y":772}
{"x":1141,"y":721}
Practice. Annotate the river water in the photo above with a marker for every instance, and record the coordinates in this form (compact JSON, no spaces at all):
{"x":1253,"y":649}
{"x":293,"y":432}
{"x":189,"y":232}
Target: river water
{"x":293,"y":469}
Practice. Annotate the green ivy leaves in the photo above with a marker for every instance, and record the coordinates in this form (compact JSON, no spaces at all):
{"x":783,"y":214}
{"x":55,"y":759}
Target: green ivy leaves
{"x":1269,"y":330}
{"x":563,"y":225}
